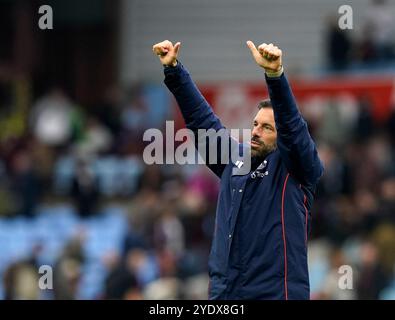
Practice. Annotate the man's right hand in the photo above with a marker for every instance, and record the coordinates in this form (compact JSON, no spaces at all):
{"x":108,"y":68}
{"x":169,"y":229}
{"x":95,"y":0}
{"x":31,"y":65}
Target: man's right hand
{"x":267,"y":56}
{"x":166,"y":52}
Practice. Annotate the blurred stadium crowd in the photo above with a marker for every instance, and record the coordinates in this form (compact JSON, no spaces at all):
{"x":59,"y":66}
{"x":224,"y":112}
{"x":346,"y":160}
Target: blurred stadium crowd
{"x":76,"y":195}
{"x":372,"y":48}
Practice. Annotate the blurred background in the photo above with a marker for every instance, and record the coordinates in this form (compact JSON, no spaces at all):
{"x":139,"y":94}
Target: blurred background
{"x":75,"y":101}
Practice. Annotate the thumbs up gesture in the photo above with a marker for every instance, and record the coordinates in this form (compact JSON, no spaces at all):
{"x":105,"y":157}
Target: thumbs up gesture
{"x":166,"y":52}
{"x":267,"y":56}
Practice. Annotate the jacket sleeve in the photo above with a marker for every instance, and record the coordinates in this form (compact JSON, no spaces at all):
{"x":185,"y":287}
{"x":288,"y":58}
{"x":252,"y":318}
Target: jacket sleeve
{"x":297,"y":148}
{"x":196,"y":112}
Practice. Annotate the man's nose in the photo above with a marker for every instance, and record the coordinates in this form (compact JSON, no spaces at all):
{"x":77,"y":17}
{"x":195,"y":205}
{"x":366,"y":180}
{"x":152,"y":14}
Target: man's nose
{"x":255,"y":132}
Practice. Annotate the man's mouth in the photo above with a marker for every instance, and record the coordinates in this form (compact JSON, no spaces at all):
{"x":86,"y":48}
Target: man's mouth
{"x":254,"y":143}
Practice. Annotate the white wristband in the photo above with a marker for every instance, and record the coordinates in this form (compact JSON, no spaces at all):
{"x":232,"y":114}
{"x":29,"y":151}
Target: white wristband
{"x":275,"y":74}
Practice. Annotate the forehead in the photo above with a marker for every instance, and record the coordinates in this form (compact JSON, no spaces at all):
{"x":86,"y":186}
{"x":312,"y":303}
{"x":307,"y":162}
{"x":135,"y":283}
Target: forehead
{"x":265,"y":115}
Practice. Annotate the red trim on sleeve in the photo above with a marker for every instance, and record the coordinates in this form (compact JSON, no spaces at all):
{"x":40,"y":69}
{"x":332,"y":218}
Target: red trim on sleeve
{"x":307,"y":215}
{"x":284,"y":238}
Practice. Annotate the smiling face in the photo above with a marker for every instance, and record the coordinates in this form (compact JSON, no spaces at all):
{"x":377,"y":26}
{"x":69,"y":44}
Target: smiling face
{"x":264,"y":133}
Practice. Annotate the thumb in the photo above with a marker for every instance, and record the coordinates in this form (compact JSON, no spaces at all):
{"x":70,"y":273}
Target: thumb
{"x":177,"y":47}
{"x":253,"y":49}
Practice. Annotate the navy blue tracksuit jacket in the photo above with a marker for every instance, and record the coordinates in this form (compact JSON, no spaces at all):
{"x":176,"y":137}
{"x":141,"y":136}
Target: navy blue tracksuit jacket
{"x":259,"y":249}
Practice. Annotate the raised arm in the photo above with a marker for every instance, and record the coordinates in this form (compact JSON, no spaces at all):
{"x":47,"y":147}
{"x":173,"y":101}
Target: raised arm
{"x":195,"y":110}
{"x":294,"y":142}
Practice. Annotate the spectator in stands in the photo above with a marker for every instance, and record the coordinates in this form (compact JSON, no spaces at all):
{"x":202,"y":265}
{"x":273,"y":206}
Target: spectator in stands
{"x":109,"y":110}
{"x":338,"y":182}
{"x":8,"y":205}
{"x":338,"y":45}
{"x":84,"y":189}
{"x":371,"y":279}
{"x":390,"y":126}
{"x":51,"y":118}
{"x":68,"y":269}
{"x":387,"y":199}
{"x":121,"y":283}
{"x":331,"y":289}
{"x":169,"y":231}
{"x":134,"y":238}
{"x":21,"y":281}
{"x":96,"y":139}
{"x":365,"y":122}
{"x":26,"y":184}
{"x":135,"y":119}
{"x":130,"y":275}
{"x":380,"y":23}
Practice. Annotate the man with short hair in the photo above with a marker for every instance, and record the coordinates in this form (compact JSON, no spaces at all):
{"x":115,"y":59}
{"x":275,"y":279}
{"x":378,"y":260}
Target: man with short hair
{"x":259,"y":249}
